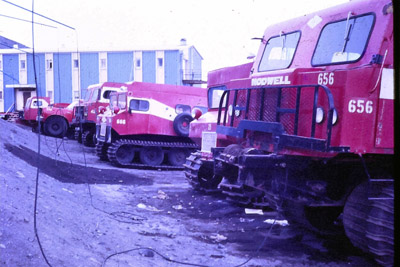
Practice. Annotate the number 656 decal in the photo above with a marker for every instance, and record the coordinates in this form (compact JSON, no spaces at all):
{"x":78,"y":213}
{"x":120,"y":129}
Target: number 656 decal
{"x":360,"y":106}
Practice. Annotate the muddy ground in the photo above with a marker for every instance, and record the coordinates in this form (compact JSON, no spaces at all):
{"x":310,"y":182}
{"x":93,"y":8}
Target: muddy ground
{"x":88,"y":212}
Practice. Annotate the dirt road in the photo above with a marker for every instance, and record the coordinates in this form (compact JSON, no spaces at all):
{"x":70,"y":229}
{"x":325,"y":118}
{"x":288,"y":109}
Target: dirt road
{"x":87,"y":211}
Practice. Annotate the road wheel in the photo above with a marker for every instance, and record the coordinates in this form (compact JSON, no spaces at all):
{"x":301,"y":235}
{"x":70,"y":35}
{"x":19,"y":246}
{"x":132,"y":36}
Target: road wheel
{"x":56,"y":126}
{"x":125,"y":154}
{"x":151,"y":156}
{"x":181,"y":124}
{"x":78,"y":136}
{"x":355,"y":215}
{"x":177,"y":156}
{"x":87,"y":139}
{"x":380,"y":227}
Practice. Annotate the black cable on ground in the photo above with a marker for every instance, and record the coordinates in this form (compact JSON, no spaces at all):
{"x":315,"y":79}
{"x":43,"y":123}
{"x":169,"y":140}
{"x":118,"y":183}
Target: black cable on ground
{"x":155,"y":251}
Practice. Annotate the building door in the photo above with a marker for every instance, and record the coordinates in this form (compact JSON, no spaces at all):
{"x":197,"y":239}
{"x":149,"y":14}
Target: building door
{"x":26,"y":95}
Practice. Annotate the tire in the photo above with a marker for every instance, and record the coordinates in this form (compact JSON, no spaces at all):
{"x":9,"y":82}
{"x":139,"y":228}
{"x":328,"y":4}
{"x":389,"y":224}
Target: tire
{"x":56,"y":126}
{"x":151,"y":156}
{"x":355,"y":214}
{"x":177,"y":156}
{"x":181,"y":124}
{"x":125,"y":154}
{"x":87,"y":139}
{"x":380,"y":228}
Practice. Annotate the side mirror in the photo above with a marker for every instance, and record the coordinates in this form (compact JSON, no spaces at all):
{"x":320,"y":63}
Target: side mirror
{"x":196,"y":113}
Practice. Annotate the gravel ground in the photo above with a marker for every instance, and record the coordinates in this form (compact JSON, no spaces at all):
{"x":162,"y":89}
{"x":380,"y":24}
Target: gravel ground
{"x":88,"y":212}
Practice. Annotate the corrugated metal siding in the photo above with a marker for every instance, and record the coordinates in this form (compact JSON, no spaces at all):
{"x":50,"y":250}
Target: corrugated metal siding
{"x":172,"y":67}
{"x":89,"y":69}
{"x":40,"y":72}
{"x":195,"y":60}
{"x":149,"y":66}
{"x":119,"y":66}
{"x":62,"y":77}
{"x":11,"y":76}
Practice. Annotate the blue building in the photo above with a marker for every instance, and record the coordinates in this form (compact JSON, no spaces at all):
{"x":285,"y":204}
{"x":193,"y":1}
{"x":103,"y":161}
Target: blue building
{"x":64,"y":76}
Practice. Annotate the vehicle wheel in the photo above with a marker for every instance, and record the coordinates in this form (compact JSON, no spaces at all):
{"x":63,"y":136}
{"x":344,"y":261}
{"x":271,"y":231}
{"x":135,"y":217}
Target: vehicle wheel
{"x":380,"y":228}
{"x":125,"y":154}
{"x":355,"y":215}
{"x":101,"y":150}
{"x":56,"y":126}
{"x":177,"y":156}
{"x":181,"y":124}
{"x":151,"y":156}
{"x":87,"y":139}
{"x":78,"y":136}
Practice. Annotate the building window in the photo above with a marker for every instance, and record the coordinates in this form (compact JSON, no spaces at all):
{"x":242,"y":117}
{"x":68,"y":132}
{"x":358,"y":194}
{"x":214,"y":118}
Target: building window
{"x":49,"y":64}
{"x":76,"y":94}
{"x":76,"y":63}
{"x":1,"y":95}
{"x":160,"y":62}
{"x":50,"y":94}
{"x":23,"y":64}
{"x":138,"y":63}
{"x":103,"y":63}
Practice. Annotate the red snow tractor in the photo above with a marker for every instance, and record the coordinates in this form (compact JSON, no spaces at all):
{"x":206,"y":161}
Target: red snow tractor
{"x":148,"y":125}
{"x":84,"y":121}
{"x":313,"y":125}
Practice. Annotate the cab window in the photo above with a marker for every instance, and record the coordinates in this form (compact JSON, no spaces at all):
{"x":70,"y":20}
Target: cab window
{"x":343,"y":41}
{"x":182,"y":109}
{"x":214,"y":96}
{"x":139,"y":105}
{"x":279,"y":52}
{"x":95,"y":95}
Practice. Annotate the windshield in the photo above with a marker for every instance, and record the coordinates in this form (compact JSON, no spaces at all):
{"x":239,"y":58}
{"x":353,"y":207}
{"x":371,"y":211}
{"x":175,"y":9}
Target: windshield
{"x":214,"y":96}
{"x":113,"y":100}
{"x":122,"y":101}
{"x":279,"y":52}
{"x":343,"y":41}
{"x":94,"y":95}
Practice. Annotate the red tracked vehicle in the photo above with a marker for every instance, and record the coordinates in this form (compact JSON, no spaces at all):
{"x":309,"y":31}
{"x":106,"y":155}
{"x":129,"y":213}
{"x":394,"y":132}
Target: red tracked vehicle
{"x":313,"y":125}
{"x":148,"y":125}
{"x":199,"y":166}
{"x":56,"y":118}
{"x":84,"y":121}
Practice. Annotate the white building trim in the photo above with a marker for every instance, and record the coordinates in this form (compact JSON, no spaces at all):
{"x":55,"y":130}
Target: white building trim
{"x":160,"y":67}
{"x":49,"y":65}
{"x":76,"y":84}
{"x":137,"y":66}
{"x":22,"y":65}
{"x":103,"y":67}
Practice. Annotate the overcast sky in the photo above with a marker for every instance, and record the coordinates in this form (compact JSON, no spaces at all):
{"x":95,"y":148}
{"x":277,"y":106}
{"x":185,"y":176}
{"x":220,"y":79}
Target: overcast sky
{"x":221,"y":30}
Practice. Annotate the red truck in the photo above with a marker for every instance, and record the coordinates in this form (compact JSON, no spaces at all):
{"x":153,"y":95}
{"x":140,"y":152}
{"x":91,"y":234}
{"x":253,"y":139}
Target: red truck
{"x":199,"y":166}
{"x":312,"y":126}
{"x":56,"y":118}
{"x":84,"y":121}
{"x":148,"y":124}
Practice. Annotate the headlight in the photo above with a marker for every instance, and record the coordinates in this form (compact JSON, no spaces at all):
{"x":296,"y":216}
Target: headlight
{"x":230,"y":111}
{"x":334,"y":117}
{"x":319,"y":115}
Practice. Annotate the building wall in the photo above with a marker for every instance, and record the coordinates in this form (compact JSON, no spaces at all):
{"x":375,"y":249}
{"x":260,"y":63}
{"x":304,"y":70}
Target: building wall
{"x":172,"y":67}
{"x":10,"y":76}
{"x":89,"y":69}
{"x":120,"y":66}
{"x":149,"y":66}
{"x":62,"y":78}
{"x":63,"y":75}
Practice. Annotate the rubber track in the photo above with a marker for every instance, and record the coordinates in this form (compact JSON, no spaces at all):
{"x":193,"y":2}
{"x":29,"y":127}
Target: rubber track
{"x":191,"y":167}
{"x":101,"y":151}
{"x":85,"y":141}
{"x":113,"y":148}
